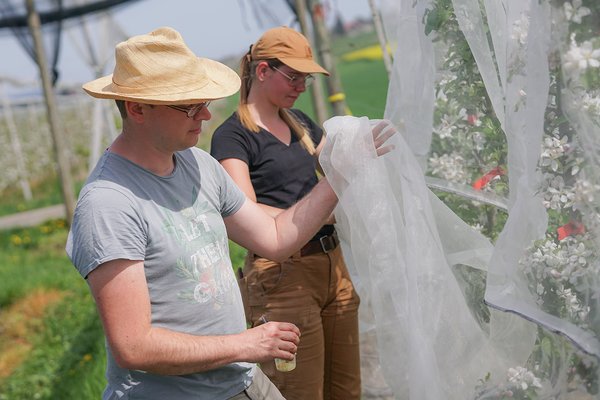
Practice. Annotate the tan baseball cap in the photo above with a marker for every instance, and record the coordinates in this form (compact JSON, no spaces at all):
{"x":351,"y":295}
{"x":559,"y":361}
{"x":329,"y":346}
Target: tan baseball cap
{"x":288,"y":46}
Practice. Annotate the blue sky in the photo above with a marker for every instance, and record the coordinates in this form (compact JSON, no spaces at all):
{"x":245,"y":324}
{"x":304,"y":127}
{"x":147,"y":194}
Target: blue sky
{"x":213,"y":29}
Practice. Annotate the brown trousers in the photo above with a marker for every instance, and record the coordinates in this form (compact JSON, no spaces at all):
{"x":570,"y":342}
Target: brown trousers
{"x":315,"y":293}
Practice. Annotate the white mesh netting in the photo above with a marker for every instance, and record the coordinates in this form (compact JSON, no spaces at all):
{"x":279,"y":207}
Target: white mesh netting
{"x":499,"y":102}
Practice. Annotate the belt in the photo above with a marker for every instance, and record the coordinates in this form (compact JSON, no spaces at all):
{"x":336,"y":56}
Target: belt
{"x":324,"y":244}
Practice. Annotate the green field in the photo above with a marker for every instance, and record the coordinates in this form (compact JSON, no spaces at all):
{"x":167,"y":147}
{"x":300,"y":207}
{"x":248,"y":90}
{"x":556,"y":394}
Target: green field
{"x":51,"y":344}
{"x":51,"y":341}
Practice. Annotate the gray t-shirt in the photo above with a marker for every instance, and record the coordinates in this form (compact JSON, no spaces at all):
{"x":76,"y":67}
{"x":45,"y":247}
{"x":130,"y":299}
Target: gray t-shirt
{"x":175,"y":224}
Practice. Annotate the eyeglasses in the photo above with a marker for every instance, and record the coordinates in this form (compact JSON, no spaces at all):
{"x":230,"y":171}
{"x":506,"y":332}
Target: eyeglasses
{"x":296,"y":80}
{"x":192,"y":110}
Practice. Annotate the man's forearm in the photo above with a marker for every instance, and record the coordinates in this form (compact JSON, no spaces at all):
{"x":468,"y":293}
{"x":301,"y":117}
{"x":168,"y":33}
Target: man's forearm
{"x":167,"y":352}
{"x":298,"y":224}
{"x":277,"y":238}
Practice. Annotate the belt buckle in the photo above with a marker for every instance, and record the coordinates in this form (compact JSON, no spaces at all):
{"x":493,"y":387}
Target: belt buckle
{"x":326,"y":246}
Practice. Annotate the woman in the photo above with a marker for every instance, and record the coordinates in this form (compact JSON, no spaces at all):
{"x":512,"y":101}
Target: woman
{"x":271,"y":152}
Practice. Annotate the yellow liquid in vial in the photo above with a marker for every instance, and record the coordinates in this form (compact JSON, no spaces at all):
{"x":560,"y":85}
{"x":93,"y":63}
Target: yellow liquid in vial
{"x":285,"y":365}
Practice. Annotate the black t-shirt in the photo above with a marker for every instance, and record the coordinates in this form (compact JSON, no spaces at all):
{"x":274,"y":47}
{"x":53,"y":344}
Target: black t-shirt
{"x":280,"y":174}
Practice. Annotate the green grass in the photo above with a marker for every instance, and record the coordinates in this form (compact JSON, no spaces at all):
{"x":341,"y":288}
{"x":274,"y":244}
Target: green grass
{"x":365,"y":83}
{"x":346,"y":44}
{"x":68,"y":358}
{"x":67,"y":350}
{"x":45,"y":193}
{"x":33,"y":258}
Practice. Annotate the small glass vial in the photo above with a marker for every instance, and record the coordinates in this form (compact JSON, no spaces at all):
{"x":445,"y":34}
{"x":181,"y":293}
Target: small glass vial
{"x":285,"y":365}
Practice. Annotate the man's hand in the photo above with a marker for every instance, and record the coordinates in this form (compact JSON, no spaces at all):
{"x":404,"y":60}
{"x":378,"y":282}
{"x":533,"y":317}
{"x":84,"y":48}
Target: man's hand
{"x":272,"y":340}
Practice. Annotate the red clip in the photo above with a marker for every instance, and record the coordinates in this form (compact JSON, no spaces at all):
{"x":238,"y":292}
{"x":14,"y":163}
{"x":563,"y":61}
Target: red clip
{"x":484,"y":180}
{"x":570,"y":229}
{"x":318,"y":11}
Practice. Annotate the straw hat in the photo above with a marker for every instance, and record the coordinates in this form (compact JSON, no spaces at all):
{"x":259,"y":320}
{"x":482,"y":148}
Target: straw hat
{"x":158,"y":68}
{"x":288,"y":46}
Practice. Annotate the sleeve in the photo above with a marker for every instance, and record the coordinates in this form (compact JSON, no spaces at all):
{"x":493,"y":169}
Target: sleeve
{"x":106,"y":226}
{"x":231,"y":197}
{"x":230,"y":141}
{"x":314,"y":130}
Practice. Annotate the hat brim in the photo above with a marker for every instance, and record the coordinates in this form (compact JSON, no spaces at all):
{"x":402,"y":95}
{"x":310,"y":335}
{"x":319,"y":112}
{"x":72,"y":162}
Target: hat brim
{"x":211,"y":80}
{"x":303,"y":65}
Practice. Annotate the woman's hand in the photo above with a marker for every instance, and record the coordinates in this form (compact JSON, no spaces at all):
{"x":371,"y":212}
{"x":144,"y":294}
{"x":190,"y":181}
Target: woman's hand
{"x":381,"y":133}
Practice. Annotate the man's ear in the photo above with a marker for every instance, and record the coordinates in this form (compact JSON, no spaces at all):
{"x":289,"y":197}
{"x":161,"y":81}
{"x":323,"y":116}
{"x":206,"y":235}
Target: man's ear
{"x":135,"y":111}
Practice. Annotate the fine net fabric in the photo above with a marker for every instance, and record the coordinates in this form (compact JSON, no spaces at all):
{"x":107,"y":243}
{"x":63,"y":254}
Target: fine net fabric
{"x":499,"y":103}
{"x":528,"y":101}
{"x":538,"y":272}
{"x":402,"y":243}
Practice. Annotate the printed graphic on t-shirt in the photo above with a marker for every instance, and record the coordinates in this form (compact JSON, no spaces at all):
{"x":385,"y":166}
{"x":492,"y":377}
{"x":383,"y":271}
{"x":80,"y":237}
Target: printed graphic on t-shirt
{"x":204,"y":258}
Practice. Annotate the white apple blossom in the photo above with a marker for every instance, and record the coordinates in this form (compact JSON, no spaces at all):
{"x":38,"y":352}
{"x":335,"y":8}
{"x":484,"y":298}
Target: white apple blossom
{"x":591,"y":103}
{"x":552,"y":149}
{"x":446,"y":127}
{"x":585,"y":192}
{"x":580,"y":58}
{"x":572,"y":304}
{"x":448,"y":123}
{"x":441,"y":95}
{"x":543,"y":261}
{"x":558,"y":199}
{"x":569,"y":262}
{"x":36,"y":141}
{"x":478,"y":227}
{"x":523,"y":378}
{"x":579,"y":269}
{"x":448,"y":78}
{"x":575,"y":12}
{"x":556,"y":195}
{"x":451,"y":167}
{"x":478,"y":141}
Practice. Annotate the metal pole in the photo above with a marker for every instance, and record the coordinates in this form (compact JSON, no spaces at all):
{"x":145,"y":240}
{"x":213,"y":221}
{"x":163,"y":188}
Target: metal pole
{"x":316,"y":90}
{"x":337,"y":98}
{"x":60,"y":147}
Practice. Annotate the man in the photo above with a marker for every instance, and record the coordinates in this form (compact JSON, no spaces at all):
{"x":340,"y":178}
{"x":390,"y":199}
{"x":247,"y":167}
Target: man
{"x":150,"y":236}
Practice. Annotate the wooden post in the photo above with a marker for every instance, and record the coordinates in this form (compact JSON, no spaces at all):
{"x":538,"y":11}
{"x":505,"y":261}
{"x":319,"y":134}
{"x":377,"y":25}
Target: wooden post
{"x":60,"y":147}
{"x":387,"y":59}
{"x":316,"y":90}
{"x":337,"y":98}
